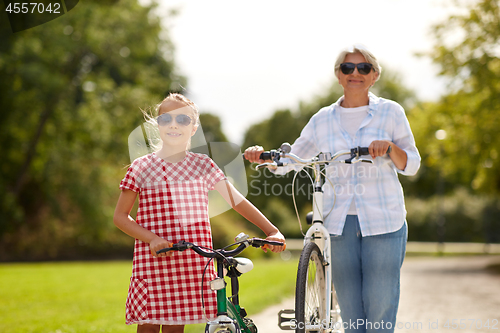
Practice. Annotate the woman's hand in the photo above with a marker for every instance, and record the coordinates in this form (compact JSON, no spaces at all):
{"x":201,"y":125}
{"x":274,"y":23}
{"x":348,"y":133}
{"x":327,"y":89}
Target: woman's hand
{"x":252,"y":154}
{"x":381,"y":147}
{"x":159,"y":243}
{"x":275,"y":237}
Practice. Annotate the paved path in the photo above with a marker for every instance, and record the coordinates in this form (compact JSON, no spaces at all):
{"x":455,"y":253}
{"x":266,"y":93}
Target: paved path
{"x":434,"y":292}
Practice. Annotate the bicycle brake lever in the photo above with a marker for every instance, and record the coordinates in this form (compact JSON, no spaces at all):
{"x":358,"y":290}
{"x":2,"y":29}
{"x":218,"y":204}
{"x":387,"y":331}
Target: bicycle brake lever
{"x":265,"y":165}
{"x":261,"y":166}
{"x":356,"y":160}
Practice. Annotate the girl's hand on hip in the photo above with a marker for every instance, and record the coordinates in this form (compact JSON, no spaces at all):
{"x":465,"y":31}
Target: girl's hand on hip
{"x":159,"y":243}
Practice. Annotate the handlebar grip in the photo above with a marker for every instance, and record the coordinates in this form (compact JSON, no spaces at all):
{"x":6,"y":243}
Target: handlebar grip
{"x":166,"y":250}
{"x":180,"y":246}
{"x":363,"y":151}
{"x":258,"y":242}
{"x":274,"y":243}
{"x":267,"y":155}
{"x":266,"y":246}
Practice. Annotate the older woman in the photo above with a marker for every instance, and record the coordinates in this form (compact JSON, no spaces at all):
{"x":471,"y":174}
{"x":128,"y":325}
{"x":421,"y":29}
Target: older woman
{"x":368,"y":222}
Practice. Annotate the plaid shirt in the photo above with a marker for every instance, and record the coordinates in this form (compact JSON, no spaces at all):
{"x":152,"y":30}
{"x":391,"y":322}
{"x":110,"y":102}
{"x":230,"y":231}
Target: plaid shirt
{"x":374,"y":187}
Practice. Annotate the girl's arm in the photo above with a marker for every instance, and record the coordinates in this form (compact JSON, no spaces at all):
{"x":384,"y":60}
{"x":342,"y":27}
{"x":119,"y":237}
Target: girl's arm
{"x":126,"y":223}
{"x":246,"y":209}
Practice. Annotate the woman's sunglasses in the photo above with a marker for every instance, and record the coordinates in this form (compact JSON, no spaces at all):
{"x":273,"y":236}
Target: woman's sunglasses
{"x":166,"y":119}
{"x":364,"y":68}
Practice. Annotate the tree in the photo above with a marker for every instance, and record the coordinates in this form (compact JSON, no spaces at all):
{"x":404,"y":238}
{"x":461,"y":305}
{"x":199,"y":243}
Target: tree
{"x":466,"y":49}
{"x":70,"y":92}
{"x":212,"y":128}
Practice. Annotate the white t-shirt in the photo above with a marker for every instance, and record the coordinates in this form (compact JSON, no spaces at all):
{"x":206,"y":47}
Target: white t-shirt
{"x":350,"y":120}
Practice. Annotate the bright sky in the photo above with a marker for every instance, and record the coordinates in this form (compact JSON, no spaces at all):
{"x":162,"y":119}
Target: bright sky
{"x":246,"y":59}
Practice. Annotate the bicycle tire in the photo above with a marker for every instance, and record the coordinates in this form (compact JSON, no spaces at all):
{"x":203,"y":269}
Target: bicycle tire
{"x":224,"y":330}
{"x":310,"y":291}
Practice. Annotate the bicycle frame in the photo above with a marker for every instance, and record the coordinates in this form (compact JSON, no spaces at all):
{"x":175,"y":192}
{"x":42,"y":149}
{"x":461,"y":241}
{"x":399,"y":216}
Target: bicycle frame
{"x":317,"y":233}
{"x":228,"y":311}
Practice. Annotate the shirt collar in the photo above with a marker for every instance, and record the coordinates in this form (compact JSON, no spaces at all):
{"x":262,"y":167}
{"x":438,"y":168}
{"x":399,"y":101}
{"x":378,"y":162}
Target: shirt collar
{"x":372,"y":103}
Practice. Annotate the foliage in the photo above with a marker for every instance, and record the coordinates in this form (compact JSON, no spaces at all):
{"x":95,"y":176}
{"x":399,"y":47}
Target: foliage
{"x":462,"y":165}
{"x":468,"y":218}
{"x":70,"y":92}
{"x":467,"y":50}
{"x":212,"y":128}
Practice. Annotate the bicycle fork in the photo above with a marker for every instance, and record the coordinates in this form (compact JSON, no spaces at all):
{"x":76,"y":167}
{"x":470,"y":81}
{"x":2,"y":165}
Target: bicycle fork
{"x":319,"y":234}
{"x":231,"y":317}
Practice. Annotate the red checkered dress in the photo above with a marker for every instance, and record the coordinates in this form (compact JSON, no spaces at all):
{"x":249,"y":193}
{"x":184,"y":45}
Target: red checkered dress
{"x":173,"y":203}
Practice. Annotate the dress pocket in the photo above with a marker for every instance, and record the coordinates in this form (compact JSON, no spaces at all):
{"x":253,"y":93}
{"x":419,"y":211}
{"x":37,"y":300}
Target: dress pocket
{"x":137,"y":301}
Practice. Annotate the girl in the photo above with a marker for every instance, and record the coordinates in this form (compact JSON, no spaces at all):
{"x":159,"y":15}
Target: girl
{"x":173,"y":186}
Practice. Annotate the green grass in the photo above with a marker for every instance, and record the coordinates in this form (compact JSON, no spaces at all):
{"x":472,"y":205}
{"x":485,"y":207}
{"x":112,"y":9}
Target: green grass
{"x":90,"y":296}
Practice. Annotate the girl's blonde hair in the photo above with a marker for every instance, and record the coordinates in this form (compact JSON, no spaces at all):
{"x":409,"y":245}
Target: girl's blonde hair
{"x":150,"y":130}
{"x":184,"y":100}
{"x":370,"y":58}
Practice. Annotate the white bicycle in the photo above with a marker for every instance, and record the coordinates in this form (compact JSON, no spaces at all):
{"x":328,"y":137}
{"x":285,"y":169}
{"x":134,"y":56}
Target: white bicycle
{"x":316,"y":306}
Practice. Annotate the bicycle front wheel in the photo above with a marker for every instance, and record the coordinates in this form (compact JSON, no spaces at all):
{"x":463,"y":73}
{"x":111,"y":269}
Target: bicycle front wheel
{"x":310,"y":292}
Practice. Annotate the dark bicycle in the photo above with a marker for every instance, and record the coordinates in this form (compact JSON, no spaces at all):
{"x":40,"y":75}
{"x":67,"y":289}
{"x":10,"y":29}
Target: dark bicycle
{"x":231,"y":317}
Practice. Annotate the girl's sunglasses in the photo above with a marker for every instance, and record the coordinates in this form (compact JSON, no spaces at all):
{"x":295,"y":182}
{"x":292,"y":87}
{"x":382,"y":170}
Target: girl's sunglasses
{"x":166,"y":119}
{"x":364,"y":68}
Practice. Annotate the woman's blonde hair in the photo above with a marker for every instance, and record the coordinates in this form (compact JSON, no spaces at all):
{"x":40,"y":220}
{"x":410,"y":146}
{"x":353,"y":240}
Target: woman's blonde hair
{"x":370,"y":58}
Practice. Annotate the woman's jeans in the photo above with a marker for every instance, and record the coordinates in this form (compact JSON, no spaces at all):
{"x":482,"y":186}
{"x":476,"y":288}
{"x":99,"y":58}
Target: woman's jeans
{"x":366,"y":272}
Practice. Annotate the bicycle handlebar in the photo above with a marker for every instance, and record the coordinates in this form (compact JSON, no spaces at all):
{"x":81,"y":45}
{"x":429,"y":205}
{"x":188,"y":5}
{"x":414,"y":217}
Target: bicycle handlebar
{"x":212,"y":253}
{"x":363,"y":151}
{"x":323,"y":158}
